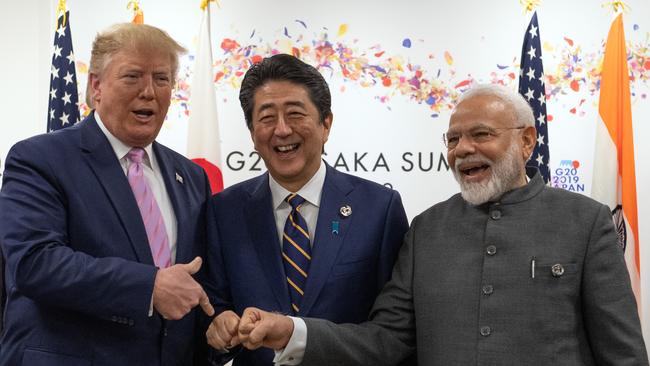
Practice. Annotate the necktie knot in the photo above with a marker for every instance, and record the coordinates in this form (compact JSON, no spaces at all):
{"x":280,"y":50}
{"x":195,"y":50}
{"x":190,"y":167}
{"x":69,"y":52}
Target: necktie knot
{"x":294,"y":200}
{"x":135,"y":155}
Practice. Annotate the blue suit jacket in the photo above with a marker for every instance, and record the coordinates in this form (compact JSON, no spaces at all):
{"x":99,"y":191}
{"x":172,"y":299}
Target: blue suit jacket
{"x":79,"y":271}
{"x":348,"y":269}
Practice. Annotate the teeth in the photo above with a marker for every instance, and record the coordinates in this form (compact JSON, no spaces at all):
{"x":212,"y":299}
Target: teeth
{"x":286,"y":148}
{"x":471,"y":171}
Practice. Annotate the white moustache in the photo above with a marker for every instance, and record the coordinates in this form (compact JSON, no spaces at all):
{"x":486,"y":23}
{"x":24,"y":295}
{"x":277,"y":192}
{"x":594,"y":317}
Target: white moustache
{"x":472,"y":159}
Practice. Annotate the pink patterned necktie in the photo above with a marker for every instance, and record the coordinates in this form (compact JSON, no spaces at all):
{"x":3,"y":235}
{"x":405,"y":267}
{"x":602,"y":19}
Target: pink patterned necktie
{"x":151,"y":216}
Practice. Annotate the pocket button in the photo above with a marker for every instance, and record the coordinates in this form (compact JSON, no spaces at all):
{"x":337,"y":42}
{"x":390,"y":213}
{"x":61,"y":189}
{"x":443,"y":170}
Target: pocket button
{"x":557,"y":270}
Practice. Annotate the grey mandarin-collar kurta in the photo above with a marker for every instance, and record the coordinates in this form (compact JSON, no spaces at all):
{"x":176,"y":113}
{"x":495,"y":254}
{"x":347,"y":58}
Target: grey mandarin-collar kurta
{"x":534,"y":279}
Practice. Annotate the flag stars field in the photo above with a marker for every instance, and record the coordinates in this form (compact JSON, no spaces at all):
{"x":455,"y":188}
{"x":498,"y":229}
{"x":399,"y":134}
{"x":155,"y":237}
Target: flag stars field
{"x":531,"y":87}
{"x":63,"y":108}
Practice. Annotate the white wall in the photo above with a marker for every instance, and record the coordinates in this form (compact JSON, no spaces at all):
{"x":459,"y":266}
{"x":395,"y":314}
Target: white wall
{"x":479,"y":35}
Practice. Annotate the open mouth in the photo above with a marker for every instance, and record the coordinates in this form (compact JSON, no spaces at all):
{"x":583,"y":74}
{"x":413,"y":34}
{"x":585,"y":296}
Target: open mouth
{"x":473,"y":170}
{"x":143,"y":113}
{"x":285,"y":149}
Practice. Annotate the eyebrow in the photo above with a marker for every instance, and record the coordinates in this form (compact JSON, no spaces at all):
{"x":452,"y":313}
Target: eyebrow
{"x":290,"y":103}
{"x":479,"y":125}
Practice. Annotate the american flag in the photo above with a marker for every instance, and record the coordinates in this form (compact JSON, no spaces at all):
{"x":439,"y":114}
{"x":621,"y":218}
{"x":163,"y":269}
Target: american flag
{"x":531,"y":87}
{"x":63,"y":108}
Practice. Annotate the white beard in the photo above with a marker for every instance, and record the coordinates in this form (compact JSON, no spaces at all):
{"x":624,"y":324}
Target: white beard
{"x":504,"y":174}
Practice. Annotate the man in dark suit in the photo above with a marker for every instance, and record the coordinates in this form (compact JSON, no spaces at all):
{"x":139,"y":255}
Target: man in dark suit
{"x":347,"y":231}
{"x":508,"y":272}
{"x":102,"y":227}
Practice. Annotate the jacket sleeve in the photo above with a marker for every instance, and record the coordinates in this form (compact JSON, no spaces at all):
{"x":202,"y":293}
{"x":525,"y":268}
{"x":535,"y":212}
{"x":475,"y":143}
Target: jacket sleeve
{"x":609,"y":306}
{"x":40,"y":261}
{"x":387,"y":339}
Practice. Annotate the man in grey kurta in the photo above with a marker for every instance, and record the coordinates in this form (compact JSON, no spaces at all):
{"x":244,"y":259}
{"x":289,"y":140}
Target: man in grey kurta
{"x":508,"y":272}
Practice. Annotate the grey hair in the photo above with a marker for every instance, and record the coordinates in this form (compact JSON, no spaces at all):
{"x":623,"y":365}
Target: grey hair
{"x":521,"y":108}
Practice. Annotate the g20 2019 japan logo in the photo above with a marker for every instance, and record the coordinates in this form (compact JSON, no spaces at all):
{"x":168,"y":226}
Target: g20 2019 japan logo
{"x":567,"y":176}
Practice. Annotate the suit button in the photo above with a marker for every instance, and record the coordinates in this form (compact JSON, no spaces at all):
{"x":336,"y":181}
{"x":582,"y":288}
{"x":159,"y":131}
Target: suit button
{"x":488,"y":289}
{"x":114,"y":318}
{"x":485,"y":331}
{"x":491,"y":250}
{"x":495,"y":215}
{"x":131,"y":323}
{"x":557,"y":270}
{"x":165,"y":332}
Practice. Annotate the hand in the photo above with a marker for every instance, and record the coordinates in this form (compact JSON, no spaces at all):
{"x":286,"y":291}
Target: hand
{"x":222,"y":333}
{"x":258,"y":328}
{"x":176,"y":293}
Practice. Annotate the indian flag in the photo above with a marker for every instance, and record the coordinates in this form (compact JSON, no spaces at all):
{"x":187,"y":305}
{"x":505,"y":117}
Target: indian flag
{"x":614,"y":181}
{"x":203,"y":141}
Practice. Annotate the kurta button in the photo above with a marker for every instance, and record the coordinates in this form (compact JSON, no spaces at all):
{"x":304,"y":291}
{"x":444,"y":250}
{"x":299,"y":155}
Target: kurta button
{"x":495,"y":215}
{"x":491,"y":250}
{"x":557,"y":270}
{"x":488,"y":289}
{"x":485,"y":331}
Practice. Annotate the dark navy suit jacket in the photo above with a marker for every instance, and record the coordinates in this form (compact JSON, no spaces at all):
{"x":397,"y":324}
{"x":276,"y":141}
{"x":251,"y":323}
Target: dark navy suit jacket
{"x":79,"y":271}
{"x":348,"y":269}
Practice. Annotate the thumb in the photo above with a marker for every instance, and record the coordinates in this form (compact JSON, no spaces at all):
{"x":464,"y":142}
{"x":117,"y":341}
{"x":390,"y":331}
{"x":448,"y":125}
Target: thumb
{"x":193,"y":266}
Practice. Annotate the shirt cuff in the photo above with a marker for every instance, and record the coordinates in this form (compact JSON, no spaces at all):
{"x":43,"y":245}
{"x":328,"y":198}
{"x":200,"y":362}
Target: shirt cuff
{"x":293,"y":353}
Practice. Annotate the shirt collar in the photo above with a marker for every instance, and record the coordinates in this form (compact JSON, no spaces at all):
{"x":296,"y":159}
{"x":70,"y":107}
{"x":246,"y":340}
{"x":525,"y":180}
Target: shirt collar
{"x":311,"y":191}
{"x":120,"y":148}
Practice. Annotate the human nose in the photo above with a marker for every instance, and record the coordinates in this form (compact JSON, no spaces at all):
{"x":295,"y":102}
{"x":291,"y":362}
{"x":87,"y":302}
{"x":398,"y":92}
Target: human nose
{"x":465,"y":146}
{"x":282,"y":128}
{"x":146,"y":90}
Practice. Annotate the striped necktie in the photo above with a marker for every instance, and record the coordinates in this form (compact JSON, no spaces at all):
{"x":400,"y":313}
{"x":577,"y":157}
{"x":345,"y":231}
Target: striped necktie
{"x":151,"y":215}
{"x":296,"y":251}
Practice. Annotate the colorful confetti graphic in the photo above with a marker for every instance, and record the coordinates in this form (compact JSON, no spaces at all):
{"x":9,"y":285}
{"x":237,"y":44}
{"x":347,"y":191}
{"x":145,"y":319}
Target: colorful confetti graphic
{"x":569,"y":67}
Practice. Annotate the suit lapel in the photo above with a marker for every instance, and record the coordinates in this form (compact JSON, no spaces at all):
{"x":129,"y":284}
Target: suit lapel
{"x":327,"y":243}
{"x":260,"y":223}
{"x":173,"y":176}
{"x":102,"y":161}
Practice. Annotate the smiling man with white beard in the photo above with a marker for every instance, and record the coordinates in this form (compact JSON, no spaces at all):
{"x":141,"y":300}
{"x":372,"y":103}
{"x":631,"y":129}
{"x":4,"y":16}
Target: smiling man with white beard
{"x":483,"y":168}
{"x":509,"y":272}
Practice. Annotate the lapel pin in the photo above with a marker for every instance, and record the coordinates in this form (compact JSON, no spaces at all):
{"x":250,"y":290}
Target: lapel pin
{"x":179,"y":179}
{"x":346,"y":210}
{"x":335,"y":227}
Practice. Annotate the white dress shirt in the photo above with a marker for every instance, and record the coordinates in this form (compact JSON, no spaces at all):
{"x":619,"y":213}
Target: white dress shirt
{"x":311,"y":192}
{"x":153,"y":176}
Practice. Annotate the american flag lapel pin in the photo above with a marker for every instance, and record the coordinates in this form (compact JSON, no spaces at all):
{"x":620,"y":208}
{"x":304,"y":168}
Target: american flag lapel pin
{"x":179,"y":179}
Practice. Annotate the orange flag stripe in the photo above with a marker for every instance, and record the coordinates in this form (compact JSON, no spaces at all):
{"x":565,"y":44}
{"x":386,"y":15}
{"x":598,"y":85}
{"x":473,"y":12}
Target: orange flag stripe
{"x":616,"y":112}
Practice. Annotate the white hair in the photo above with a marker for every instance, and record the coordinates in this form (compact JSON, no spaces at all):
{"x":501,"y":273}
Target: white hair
{"x":521,"y":108}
